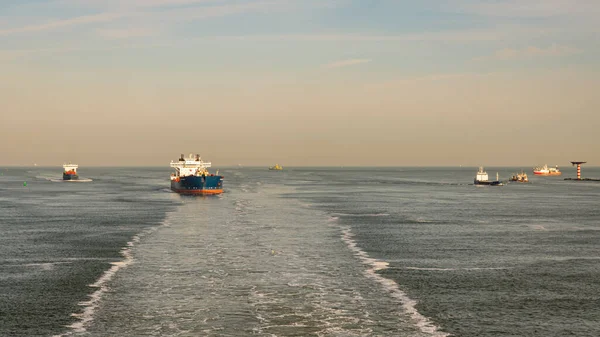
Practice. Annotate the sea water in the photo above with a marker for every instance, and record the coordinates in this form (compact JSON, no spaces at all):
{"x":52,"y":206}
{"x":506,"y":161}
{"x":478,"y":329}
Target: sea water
{"x":299,"y":252}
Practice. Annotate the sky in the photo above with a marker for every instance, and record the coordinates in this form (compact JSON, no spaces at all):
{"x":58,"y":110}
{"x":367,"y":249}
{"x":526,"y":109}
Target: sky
{"x":300,"y":82}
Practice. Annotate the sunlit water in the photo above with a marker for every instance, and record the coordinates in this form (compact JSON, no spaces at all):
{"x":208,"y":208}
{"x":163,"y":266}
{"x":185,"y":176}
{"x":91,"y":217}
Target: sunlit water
{"x":299,"y":252}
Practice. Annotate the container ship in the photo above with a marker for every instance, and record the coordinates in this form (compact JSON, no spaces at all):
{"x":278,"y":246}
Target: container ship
{"x":546,"y":171}
{"x":192,"y":177}
{"x":482,"y":179}
{"x":70,"y":172}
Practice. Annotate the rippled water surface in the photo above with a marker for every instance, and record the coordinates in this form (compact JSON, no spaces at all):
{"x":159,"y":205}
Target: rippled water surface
{"x":299,"y":252}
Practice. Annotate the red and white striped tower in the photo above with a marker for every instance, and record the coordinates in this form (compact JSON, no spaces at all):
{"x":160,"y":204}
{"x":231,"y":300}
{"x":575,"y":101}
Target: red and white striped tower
{"x":578,"y":163}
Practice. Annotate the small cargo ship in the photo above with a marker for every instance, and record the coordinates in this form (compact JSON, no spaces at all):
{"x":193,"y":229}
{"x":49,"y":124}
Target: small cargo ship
{"x":70,"y":172}
{"x":192,"y":177}
{"x":276,"y":168}
{"x":520,"y":177}
{"x":482,"y":179}
{"x":546,"y":171}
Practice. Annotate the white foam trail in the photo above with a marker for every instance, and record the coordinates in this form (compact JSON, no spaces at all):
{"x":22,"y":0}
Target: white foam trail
{"x":362,"y":215}
{"x":87,"y":316}
{"x":379,"y":265}
{"x":539,"y":227}
{"x":81,"y":180}
{"x":408,"y":304}
{"x":45,"y":266}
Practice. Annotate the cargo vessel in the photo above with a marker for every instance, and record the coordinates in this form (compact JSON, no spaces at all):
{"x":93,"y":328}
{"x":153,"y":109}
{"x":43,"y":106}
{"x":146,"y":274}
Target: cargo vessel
{"x":70,"y":172}
{"x":482,"y":179}
{"x":192,"y":177}
{"x":546,"y":171}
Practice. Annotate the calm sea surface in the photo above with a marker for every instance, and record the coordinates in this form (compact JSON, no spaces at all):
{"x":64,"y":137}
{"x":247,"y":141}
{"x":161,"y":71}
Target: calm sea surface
{"x":301,"y":252}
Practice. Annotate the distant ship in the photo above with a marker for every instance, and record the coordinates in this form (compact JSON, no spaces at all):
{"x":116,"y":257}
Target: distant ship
{"x":482,"y":179}
{"x":70,"y":172}
{"x":520,"y":177}
{"x":547,"y":171}
{"x":276,"y":168}
{"x":192,"y":177}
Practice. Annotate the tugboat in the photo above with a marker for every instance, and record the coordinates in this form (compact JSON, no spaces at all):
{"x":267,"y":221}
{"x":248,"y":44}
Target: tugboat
{"x":546,"y":171}
{"x":520,"y":177}
{"x":70,"y":172}
{"x":482,"y":179}
{"x":192,"y":177}
{"x":276,"y":168}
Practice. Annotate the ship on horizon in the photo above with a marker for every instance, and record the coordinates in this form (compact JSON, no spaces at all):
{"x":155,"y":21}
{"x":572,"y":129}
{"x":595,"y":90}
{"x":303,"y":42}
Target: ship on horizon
{"x":277,"y":167}
{"x":70,"y":171}
{"x":520,"y":177}
{"x":482,"y":179}
{"x":192,"y":177}
{"x":546,"y":171}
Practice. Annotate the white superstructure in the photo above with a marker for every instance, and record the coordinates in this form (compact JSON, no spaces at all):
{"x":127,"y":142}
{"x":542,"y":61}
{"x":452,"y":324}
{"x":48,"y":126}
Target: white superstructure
{"x":70,"y":167}
{"x":481,"y":175}
{"x":546,"y":170}
{"x":191,"y":166}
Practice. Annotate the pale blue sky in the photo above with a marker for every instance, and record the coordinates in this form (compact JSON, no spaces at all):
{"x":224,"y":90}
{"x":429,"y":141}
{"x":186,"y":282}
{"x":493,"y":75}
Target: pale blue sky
{"x":277,"y":65}
{"x":421,"y":36}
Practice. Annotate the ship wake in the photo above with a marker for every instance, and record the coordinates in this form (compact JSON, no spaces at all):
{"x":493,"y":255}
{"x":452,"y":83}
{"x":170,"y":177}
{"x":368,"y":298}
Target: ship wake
{"x":80,"y":180}
{"x":408,"y":304}
{"x":86,"y":316}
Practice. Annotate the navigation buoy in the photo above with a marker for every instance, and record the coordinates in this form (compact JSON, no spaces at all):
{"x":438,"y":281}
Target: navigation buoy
{"x":272,"y":251}
{"x":24,"y":183}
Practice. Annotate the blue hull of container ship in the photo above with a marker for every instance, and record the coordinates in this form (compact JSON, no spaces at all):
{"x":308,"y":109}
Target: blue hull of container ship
{"x":198,"y":185}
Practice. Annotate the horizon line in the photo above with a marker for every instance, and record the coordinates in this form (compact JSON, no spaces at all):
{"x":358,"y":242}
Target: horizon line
{"x":289,"y":166}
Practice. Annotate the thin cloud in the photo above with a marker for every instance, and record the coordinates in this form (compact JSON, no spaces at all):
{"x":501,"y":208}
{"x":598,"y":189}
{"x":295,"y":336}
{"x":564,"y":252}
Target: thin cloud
{"x":531,"y":52}
{"x":169,"y":15}
{"x":190,"y":14}
{"x":496,"y":34}
{"x":529,"y":8}
{"x":164,"y":3}
{"x":114,"y":34}
{"x":346,"y":63}
{"x":131,"y":4}
{"x":80,"y":20}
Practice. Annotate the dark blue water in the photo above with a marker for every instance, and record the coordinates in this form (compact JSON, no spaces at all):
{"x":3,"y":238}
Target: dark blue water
{"x":517,"y":260}
{"x":301,"y":252}
{"x":59,"y":237}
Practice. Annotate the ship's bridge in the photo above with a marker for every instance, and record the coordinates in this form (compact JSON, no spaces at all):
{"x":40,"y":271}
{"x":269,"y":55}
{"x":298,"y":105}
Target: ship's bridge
{"x":481,"y":175}
{"x":193,"y":165}
{"x":70,"y":167}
